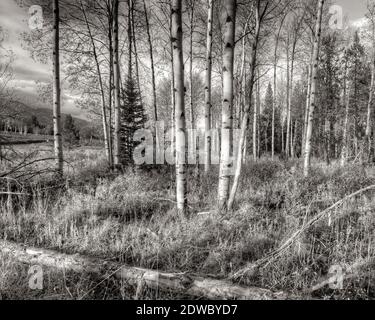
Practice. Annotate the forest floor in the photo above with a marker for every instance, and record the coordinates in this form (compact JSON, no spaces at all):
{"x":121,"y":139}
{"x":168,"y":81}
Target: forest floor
{"x":131,"y":219}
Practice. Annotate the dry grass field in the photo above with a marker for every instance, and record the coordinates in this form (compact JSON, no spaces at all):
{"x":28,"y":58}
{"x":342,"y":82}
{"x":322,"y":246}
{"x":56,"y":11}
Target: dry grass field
{"x":131,"y":218}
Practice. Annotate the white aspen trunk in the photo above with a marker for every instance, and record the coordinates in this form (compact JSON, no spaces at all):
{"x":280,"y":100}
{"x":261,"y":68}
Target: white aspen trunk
{"x":288,"y":103}
{"x":130,"y":42}
{"x":135,"y":51}
{"x":274,"y":105}
{"x":308,"y":147}
{"x":151,"y":52}
{"x":173,"y":94}
{"x":226,"y":164}
{"x":191,"y":62}
{"x":255,"y":125}
{"x":116,"y":77}
{"x":246,"y":115}
{"x":58,"y":147}
{"x":291,"y":96}
{"x":208,"y":90}
{"x":274,"y":100}
{"x":110,"y":88}
{"x":240,"y":86}
{"x":153,"y":78}
{"x":346,"y":98}
{"x":180,"y":121}
{"x":308,"y":95}
{"x":100,"y":79}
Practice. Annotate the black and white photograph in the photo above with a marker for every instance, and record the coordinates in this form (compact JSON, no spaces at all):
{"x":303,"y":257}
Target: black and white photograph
{"x":190,"y":151}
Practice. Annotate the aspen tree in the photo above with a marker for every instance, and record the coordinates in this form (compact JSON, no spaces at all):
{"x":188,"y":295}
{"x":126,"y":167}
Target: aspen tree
{"x":314,"y":75}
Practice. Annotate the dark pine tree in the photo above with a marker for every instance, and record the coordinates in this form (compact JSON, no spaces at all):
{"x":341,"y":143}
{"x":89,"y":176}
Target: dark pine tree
{"x":70,"y":131}
{"x":133,"y":118}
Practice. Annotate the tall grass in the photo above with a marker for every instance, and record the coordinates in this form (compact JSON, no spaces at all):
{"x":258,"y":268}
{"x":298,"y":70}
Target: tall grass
{"x":132,"y":219}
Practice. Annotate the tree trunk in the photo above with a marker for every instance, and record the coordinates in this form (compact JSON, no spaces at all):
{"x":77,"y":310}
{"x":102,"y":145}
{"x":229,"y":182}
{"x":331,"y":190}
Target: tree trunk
{"x":130,"y":41}
{"x":308,"y":96}
{"x":369,"y":109}
{"x":116,"y":76}
{"x":308,"y":148}
{"x":101,"y":87}
{"x":346,"y":99}
{"x":57,"y":91}
{"x":189,"y":285}
{"x":255,"y":124}
{"x":191,"y":16}
{"x":226,"y":164}
{"x":110,"y":86}
{"x":173,"y":93}
{"x":180,"y":121}
{"x":246,"y":114}
{"x":208,"y":89}
{"x":288,"y":102}
{"x":274,"y":105}
{"x":151,"y":52}
{"x":291,"y":79}
{"x":135,"y":50}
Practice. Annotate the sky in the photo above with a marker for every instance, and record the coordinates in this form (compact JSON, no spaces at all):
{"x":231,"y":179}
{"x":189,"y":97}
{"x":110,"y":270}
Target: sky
{"x":15,"y":21}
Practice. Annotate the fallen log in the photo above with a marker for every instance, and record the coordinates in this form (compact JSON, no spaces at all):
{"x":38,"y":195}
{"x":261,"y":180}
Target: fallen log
{"x":189,"y":285}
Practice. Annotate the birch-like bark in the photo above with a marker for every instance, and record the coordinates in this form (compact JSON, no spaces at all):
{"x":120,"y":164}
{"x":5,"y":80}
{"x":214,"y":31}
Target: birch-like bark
{"x":308,"y":96}
{"x":346,"y":99}
{"x":314,"y":73}
{"x":173,"y":94}
{"x":274,"y":105}
{"x":226,"y":164}
{"x":255,"y":125}
{"x":130,"y":41}
{"x":246,"y":115}
{"x":135,"y":50}
{"x":191,"y":16}
{"x":151,"y":52}
{"x":58,"y":147}
{"x":116,"y":77}
{"x":288,"y":101}
{"x":290,"y":98}
{"x":208,"y":90}
{"x":110,"y":85}
{"x":180,"y":121}
{"x":101,"y":87}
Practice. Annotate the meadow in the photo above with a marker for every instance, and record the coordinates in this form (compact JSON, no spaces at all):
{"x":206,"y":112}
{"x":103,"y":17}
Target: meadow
{"x":131,"y":218}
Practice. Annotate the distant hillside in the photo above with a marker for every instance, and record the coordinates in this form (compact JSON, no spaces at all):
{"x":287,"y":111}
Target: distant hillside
{"x":20,"y":111}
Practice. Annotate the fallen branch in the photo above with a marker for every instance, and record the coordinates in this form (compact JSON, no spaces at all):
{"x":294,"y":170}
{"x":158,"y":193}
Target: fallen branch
{"x":189,"y":285}
{"x":253,"y":267}
{"x":348,"y":272}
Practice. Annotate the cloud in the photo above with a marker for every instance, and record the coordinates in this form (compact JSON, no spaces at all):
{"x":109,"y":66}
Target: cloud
{"x":26,"y":71}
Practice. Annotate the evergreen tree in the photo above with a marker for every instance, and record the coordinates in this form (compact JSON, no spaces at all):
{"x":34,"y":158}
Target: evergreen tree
{"x":266,"y":120}
{"x":359,"y":76}
{"x":329,"y":97}
{"x":71,"y":133}
{"x":132,"y":117}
